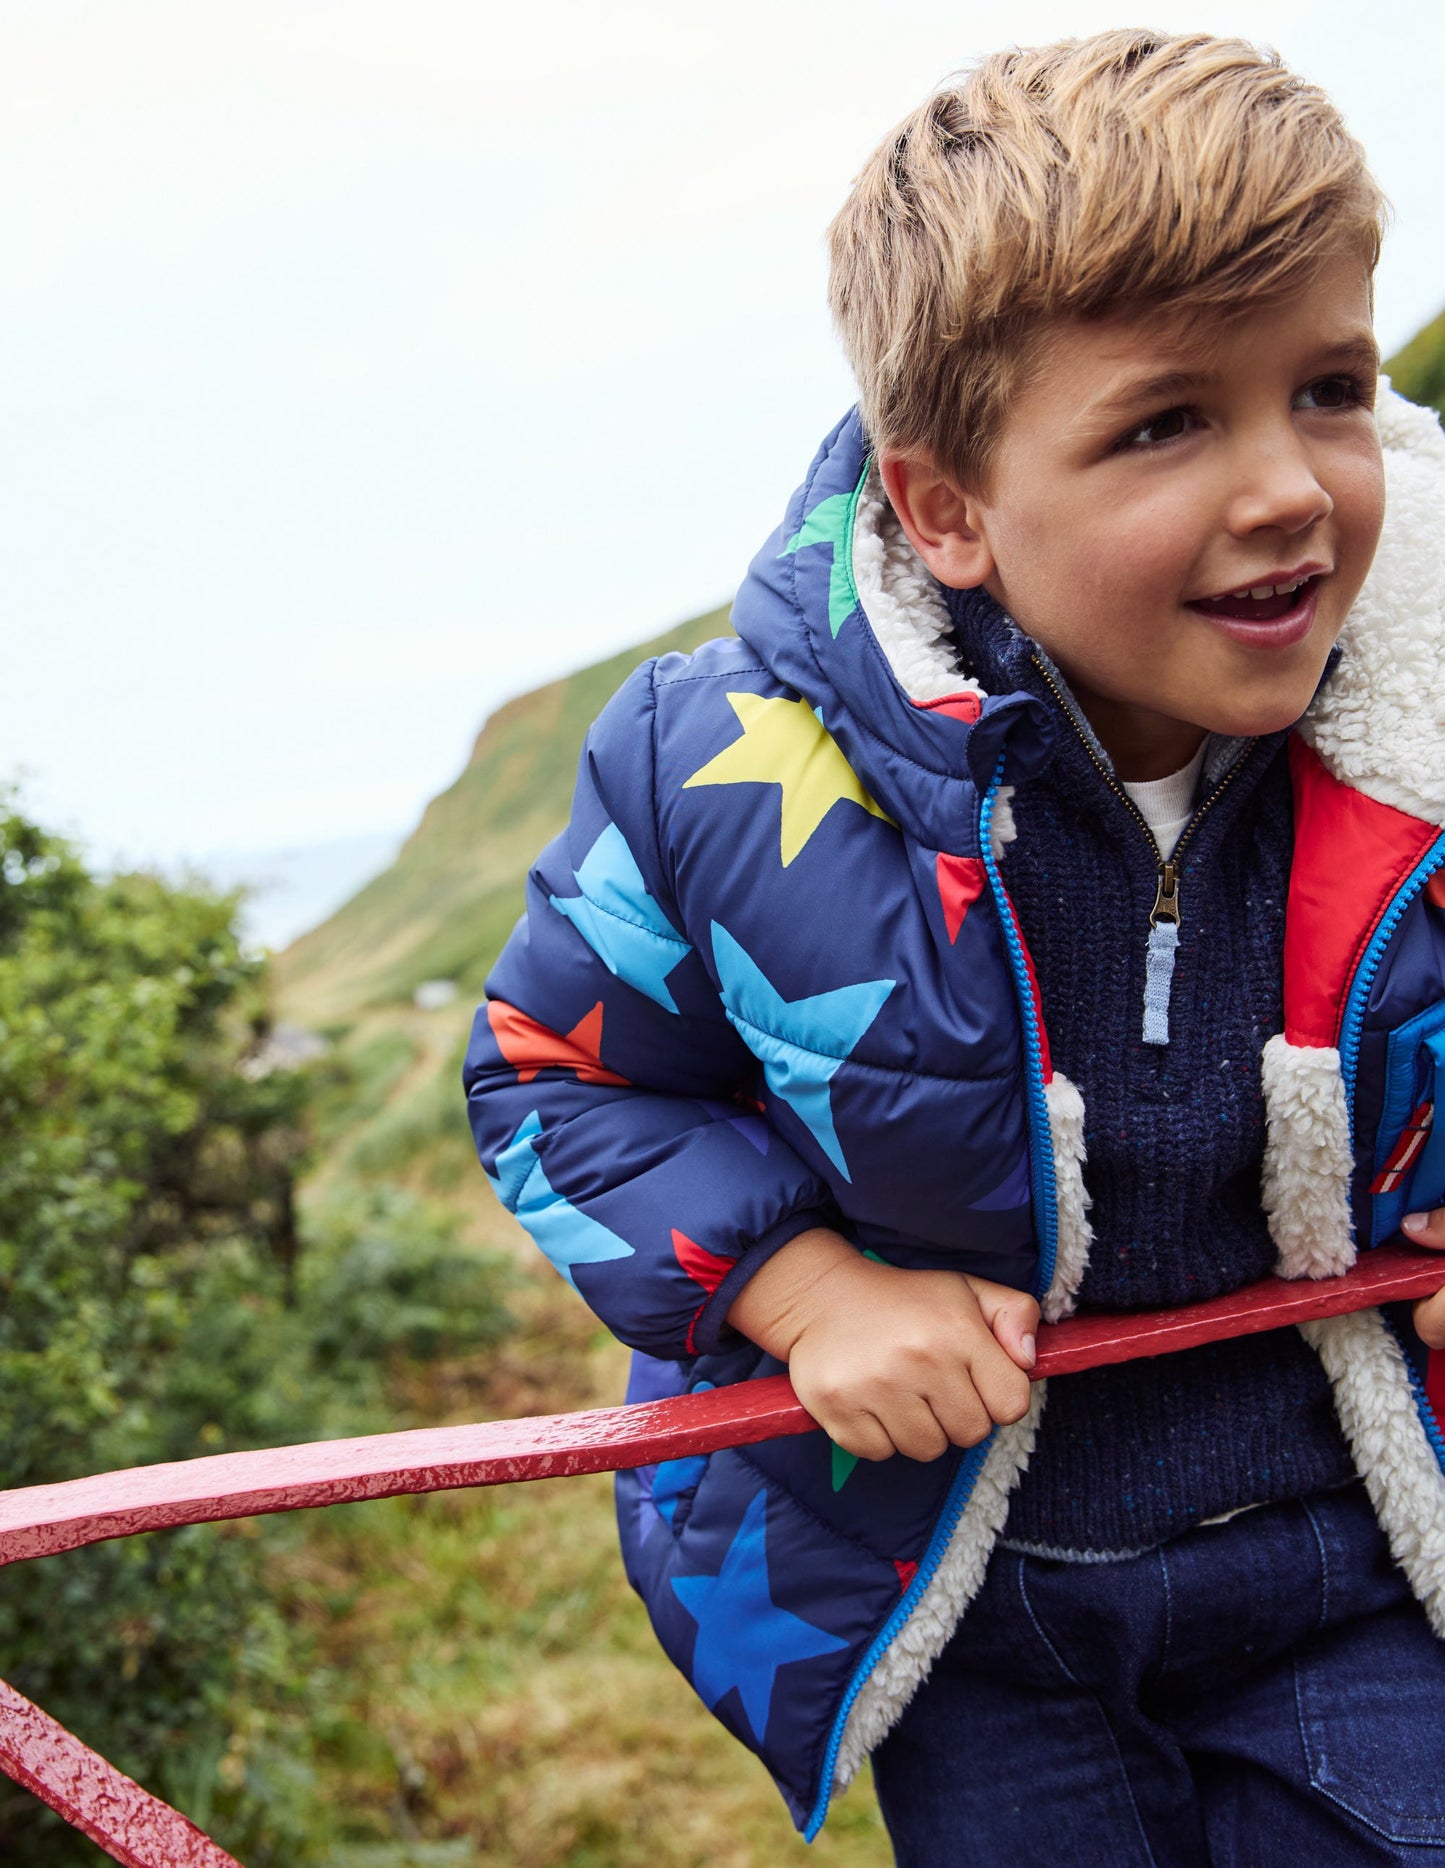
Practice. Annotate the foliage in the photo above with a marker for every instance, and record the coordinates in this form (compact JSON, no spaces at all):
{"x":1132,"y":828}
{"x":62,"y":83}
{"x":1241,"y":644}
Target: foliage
{"x":1418,"y":371}
{"x":155,"y":1303}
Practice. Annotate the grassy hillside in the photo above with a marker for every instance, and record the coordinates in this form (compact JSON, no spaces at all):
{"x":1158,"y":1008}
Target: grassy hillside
{"x":1418,"y":371}
{"x":448,"y":902}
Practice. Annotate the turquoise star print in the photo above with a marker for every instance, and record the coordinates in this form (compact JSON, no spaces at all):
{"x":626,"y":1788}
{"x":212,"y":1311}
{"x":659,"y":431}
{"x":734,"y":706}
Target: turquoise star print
{"x":621,"y":922}
{"x":567,"y":1235}
{"x":827,"y":524}
{"x":802,"y":1043}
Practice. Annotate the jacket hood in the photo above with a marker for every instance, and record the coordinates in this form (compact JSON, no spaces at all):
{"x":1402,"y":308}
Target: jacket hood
{"x":839,"y":606}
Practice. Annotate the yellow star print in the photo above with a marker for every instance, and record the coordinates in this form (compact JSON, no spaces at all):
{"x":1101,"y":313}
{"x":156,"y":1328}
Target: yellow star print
{"x":784,"y":743}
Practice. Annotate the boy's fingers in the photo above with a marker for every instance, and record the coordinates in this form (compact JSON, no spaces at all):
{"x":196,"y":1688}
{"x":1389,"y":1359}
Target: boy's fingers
{"x":1429,"y":1314}
{"x":915,"y":1429}
{"x":1430,"y":1320}
{"x":962,"y":1413}
{"x":857,"y":1431}
{"x":1013,"y":1316}
{"x":1425,"y":1228}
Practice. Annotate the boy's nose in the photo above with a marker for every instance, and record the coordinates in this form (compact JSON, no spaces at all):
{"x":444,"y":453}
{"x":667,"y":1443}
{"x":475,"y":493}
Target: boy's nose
{"x":1278,"y":489}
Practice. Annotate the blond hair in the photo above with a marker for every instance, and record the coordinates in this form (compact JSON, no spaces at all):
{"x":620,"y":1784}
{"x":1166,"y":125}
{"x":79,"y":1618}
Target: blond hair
{"x":1121,"y":172}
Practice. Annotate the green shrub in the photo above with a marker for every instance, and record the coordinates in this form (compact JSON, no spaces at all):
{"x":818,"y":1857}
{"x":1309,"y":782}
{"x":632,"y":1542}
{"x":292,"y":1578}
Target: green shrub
{"x":155,"y":1304}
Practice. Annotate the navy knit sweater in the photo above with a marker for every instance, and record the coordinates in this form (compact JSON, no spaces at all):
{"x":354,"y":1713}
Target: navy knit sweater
{"x":1128,"y":1456}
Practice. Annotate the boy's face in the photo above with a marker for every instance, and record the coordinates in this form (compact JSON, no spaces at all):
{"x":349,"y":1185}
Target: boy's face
{"x":1150,"y":475}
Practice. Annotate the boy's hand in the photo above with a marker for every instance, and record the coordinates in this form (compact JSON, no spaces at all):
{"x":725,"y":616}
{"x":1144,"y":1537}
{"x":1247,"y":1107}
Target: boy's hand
{"x":1428,"y":1229}
{"x":887,"y":1360}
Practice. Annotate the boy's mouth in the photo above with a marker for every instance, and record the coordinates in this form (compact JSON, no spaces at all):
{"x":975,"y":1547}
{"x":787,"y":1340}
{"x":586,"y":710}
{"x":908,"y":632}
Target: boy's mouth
{"x":1260,"y":603}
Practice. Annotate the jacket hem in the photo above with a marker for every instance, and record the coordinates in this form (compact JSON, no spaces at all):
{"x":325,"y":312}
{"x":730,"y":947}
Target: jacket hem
{"x":906,"y":1662}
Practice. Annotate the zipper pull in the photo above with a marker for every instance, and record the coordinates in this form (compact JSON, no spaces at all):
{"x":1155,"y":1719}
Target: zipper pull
{"x":1159,"y":959}
{"x":1166,"y":901}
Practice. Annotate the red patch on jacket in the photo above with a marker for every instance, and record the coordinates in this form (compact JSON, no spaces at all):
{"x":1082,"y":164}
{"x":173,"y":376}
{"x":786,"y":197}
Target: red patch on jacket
{"x":966,"y":706}
{"x":1351,"y":856}
{"x":530,"y":1047}
{"x":705,"y":1268}
{"x":961,"y":880}
{"x":1435,"y":1384}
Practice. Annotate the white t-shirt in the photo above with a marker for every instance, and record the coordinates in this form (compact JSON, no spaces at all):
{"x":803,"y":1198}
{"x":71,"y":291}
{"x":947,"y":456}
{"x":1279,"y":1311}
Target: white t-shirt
{"x":1167,"y":804}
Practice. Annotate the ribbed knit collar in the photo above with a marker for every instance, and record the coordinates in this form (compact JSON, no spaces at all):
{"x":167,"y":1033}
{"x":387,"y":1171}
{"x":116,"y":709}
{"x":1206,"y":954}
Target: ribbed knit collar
{"x":1004,"y":659}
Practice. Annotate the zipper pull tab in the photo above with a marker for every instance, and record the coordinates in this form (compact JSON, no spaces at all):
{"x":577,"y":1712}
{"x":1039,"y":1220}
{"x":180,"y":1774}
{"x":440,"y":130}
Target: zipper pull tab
{"x":1166,"y":901}
{"x":1159,"y":959}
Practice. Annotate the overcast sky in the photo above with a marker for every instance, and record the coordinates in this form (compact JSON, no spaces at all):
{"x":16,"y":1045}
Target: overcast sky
{"x":366,"y":362}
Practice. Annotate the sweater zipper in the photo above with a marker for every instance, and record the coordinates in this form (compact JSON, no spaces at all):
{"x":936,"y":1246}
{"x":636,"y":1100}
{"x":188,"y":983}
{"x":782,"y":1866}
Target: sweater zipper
{"x":1165,"y":918}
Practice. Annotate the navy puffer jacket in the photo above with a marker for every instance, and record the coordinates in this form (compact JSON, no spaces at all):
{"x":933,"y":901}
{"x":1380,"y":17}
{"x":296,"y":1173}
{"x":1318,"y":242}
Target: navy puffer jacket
{"x":769,"y":978}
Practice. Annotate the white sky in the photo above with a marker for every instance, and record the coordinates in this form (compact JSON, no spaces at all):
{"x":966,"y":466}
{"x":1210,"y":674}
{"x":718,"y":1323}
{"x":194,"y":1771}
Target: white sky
{"x":368,"y":361}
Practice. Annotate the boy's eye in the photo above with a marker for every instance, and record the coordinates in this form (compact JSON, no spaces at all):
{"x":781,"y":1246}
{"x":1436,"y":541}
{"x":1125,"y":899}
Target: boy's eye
{"x":1168,"y":425}
{"x":1333,"y":392}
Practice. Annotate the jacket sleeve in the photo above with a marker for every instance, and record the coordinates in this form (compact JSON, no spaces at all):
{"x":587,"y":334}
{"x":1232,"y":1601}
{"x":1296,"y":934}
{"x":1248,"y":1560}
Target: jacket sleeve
{"x":611,"y":1100}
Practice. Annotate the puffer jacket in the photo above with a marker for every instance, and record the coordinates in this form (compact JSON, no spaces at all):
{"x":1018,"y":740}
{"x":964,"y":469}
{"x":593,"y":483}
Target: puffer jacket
{"x":769,"y":977}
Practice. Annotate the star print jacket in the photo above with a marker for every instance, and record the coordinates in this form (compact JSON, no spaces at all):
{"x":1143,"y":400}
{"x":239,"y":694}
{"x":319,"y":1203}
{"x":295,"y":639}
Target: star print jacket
{"x":769,"y":977}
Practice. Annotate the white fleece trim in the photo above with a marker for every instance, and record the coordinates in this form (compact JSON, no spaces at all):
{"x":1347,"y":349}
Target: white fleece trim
{"x":1375,"y":1400}
{"x":1379,"y":724}
{"x":1075,"y":1234}
{"x":1307,"y":1160}
{"x":905,"y":1663}
{"x":1001,"y":826}
{"x":902,"y":601}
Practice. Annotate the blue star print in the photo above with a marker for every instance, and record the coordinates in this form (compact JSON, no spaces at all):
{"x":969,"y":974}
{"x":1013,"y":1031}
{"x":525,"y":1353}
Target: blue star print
{"x":743,"y":1637}
{"x":621,"y":922}
{"x":568,"y":1237}
{"x":802,"y":1043}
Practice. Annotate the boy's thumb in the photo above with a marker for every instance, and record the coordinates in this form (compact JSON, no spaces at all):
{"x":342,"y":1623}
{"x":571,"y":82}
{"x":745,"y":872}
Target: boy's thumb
{"x":1013,"y":1317}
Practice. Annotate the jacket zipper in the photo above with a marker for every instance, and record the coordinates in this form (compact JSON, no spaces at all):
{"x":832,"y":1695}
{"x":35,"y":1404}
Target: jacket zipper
{"x":1357,"y":993}
{"x":1165,"y":918}
{"x":1041,"y":1180}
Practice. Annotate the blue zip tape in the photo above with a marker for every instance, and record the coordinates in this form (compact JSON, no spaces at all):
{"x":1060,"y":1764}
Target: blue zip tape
{"x":1041,"y":1153}
{"x":1422,"y":1404}
{"x":1352,"y":1025}
{"x":1045,"y":1201}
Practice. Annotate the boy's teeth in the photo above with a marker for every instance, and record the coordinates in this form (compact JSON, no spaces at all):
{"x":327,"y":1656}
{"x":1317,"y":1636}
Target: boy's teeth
{"x":1257,"y":603}
{"x":1260,"y":591}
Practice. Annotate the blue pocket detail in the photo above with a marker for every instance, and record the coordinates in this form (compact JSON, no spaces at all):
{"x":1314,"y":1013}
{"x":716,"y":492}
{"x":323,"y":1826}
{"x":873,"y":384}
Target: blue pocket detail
{"x":1414,"y":1077}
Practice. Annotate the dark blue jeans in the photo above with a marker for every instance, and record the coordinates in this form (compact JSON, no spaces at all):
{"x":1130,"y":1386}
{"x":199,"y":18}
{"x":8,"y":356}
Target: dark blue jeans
{"x":1262,"y":1693}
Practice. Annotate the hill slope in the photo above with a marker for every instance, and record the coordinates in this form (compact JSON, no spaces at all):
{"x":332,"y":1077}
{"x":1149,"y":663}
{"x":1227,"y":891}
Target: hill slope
{"x":449,"y":900}
{"x":1418,"y":371}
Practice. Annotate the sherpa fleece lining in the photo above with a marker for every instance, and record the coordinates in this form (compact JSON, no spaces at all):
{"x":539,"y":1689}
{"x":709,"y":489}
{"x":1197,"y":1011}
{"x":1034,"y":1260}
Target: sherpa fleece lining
{"x":1378,"y":1411}
{"x":905,"y":1664}
{"x":1379,"y":723}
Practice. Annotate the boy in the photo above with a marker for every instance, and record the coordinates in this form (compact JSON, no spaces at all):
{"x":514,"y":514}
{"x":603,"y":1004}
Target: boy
{"x":1003,"y":763}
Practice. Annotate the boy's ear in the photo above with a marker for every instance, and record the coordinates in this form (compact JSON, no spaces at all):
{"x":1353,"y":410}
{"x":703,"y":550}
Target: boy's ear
{"x":944,"y":525}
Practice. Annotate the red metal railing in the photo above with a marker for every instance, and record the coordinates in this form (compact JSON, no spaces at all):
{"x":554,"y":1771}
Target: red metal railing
{"x":140,"y":1831}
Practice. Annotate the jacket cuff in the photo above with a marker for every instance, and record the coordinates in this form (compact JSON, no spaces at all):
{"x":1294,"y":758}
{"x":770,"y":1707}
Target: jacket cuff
{"x":711,"y":1332}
